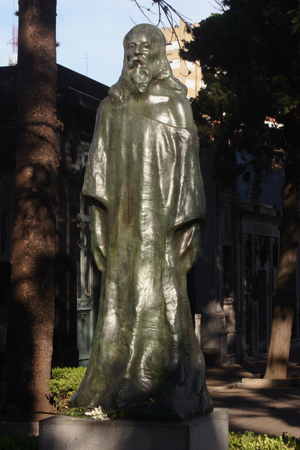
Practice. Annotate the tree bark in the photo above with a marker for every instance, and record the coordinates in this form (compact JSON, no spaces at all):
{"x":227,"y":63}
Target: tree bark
{"x":31,"y":321}
{"x":283,"y":305}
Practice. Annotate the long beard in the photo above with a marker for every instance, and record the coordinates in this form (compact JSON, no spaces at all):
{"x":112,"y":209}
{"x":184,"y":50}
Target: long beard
{"x":138,"y":76}
{"x":137,"y":71}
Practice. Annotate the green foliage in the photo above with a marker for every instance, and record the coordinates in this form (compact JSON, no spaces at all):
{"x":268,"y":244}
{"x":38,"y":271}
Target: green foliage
{"x":250,"y":58}
{"x":76,"y":412}
{"x":295,"y":17}
{"x":248,"y":441}
{"x":63,"y":384}
{"x":18,"y":442}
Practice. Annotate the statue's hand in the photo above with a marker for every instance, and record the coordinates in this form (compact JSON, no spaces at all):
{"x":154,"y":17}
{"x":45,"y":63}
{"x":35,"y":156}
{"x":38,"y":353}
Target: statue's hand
{"x":187,"y":245}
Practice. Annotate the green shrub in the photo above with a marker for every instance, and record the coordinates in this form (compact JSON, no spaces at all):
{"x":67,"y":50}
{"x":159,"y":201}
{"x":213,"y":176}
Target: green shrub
{"x":63,"y":384}
{"x":248,"y":441}
{"x":18,"y":442}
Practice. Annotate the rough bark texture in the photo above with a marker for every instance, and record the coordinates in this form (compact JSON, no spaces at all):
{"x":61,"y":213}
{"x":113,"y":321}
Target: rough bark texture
{"x":283,"y":305}
{"x":30,"y":333}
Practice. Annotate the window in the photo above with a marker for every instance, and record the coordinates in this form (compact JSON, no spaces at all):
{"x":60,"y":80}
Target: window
{"x":175,"y":64}
{"x":190,"y":65}
{"x":190,"y":83}
{"x":172,"y":46}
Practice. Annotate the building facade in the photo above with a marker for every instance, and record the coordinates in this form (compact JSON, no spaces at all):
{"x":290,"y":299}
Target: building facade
{"x":235,"y":277}
{"x":187,"y":72}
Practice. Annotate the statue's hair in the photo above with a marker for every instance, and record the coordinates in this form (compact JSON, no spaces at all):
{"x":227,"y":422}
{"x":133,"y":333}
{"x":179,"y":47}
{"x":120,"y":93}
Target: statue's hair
{"x":164,"y":76}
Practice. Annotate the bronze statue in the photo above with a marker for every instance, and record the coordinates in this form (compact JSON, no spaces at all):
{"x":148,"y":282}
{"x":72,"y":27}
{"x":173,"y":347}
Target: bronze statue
{"x":144,"y":182}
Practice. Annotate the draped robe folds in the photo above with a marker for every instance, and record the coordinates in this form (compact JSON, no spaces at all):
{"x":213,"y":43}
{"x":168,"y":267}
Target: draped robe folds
{"x":143,"y":179}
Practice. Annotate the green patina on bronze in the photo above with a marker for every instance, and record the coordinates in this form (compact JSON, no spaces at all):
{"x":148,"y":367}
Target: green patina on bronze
{"x":143,"y":179}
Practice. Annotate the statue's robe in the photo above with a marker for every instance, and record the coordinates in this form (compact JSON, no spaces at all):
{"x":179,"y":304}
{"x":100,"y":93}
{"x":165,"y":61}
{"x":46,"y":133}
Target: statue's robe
{"x":143,"y":179}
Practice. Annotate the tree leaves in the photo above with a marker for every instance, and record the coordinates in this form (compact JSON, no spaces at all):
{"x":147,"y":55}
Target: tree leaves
{"x":250,"y":58}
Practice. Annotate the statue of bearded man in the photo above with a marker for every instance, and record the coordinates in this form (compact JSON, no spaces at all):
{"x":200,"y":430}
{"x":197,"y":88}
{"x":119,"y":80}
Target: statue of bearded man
{"x":144,"y":182}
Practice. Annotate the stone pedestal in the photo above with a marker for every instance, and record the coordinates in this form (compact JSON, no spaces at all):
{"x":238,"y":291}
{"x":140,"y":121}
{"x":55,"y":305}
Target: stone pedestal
{"x":208,"y":432}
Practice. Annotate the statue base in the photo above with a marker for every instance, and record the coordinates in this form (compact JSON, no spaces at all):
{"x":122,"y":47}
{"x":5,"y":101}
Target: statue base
{"x":209,"y":432}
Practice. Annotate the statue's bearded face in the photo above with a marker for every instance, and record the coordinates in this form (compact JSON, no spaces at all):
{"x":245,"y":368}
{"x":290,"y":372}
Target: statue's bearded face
{"x":146,"y":69}
{"x":144,"y":58}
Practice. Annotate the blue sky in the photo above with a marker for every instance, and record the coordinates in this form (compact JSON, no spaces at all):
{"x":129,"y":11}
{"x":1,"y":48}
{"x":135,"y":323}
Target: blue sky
{"x":90,"y":33}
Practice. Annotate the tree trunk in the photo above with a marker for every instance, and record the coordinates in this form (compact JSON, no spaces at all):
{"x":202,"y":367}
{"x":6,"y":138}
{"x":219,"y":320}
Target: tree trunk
{"x":283,"y":305}
{"x":31,"y":321}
